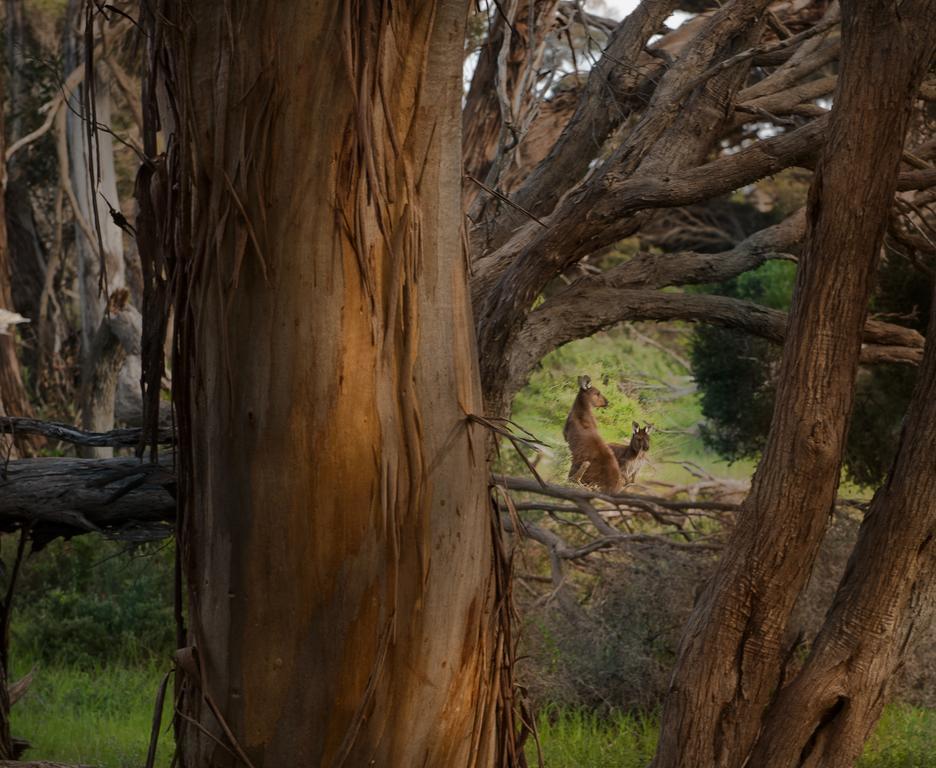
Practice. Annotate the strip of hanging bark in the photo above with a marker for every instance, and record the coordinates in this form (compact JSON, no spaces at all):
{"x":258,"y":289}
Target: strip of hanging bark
{"x":13,"y":397}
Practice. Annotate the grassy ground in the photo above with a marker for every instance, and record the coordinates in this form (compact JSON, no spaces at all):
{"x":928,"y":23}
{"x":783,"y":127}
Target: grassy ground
{"x":642,"y":383}
{"x":102,"y":717}
{"x":99,"y":717}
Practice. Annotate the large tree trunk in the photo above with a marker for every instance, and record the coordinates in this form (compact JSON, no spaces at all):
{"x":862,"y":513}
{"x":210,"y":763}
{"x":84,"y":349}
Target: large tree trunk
{"x":730,"y":661}
{"x":336,"y":531}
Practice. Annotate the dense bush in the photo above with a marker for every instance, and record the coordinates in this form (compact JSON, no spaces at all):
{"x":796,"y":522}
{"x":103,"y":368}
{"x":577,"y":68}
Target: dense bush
{"x":90,"y":600}
{"x":617,"y":651}
{"x":736,"y":373}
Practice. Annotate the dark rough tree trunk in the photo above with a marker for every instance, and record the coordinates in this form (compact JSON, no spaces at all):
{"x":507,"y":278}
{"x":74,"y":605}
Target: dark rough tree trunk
{"x":888,"y":592}
{"x":337,"y":530}
{"x":730,"y":660}
{"x":13,"y":398}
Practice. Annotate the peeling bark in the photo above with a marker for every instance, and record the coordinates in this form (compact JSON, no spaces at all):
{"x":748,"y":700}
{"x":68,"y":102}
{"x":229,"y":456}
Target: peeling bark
{"x":336,"y":526}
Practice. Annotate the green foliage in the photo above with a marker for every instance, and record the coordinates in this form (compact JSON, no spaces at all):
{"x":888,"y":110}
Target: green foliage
{"x":89,"y":600}
{"x":883,"y":392}
{"x":735,"y":371}
{"x":905,"y":737}
{"x":97,"y":716}
{"x":736,"y":374}
{"x":732,"y":371}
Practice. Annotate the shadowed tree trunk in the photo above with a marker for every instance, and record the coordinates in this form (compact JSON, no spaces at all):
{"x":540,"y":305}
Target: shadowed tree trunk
{"x":730,"y":660}
{"x":13,"y":398}
{"x":337,"y":531}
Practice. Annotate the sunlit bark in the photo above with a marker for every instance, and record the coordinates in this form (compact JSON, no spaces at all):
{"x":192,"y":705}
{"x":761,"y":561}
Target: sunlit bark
{"x":336,"y":529}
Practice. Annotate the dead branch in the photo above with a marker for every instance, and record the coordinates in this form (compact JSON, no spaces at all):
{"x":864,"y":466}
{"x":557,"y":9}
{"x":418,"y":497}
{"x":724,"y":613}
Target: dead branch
{"x":116,"y":438}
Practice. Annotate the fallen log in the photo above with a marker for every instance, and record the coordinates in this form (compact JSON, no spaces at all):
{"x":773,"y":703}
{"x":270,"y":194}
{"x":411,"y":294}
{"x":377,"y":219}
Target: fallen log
{"x":121,"y":498}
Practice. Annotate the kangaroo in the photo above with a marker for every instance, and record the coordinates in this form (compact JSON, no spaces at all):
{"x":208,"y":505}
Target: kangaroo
{"x":593,"y":462}
{"x":632,"y":457}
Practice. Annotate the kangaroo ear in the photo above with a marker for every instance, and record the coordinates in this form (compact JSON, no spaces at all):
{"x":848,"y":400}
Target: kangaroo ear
{"x":636,"y":427}
{"x":584,"y":382}
{"x":648,"y":428}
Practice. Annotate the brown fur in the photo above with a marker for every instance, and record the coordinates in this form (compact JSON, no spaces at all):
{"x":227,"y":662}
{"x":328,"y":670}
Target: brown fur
{"x":593,"y":462}
{"x":632,"y":457}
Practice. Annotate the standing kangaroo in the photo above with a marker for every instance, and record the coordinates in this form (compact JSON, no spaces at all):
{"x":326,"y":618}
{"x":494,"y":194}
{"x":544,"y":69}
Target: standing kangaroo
{"x":632,"y":457}
{"x":593,"y":462}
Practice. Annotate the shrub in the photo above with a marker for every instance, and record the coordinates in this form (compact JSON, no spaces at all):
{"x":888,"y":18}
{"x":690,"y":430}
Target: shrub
{"x":92,"y":600}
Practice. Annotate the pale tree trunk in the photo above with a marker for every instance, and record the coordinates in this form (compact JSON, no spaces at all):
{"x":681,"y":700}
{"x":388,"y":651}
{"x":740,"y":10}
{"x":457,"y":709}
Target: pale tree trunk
{"x":97,"y":413}
{"x":337,"y":530}
{"x":730,"y":660}
{"x":822,"y":719}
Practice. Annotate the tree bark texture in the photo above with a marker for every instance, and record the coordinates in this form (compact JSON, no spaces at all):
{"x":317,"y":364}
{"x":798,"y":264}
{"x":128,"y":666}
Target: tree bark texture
{"x":729,"y":662}
{"x":336,"y":528}
{"x":94,"y":181}
{"x":887,"y":594}
{"x":117,"y":337}
{"x":500,"y":102}
{"x":66,"y":497}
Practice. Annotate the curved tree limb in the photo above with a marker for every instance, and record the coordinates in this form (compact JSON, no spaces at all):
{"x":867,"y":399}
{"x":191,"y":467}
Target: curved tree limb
{"x":575,"y":314}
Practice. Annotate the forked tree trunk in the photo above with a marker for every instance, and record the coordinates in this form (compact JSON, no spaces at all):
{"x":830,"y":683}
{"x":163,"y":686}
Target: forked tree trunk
{"x":888,"y":591}
{"x":729,"y":663}
{"x":336,"y":527}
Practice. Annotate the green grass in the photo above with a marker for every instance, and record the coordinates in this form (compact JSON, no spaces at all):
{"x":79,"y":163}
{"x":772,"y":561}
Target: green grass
{"x":642,"y":383}
{"x":576,"y":739}
{"x":102,"y":717}
{"x":97,"y":716}
{"x":905,"y":738}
